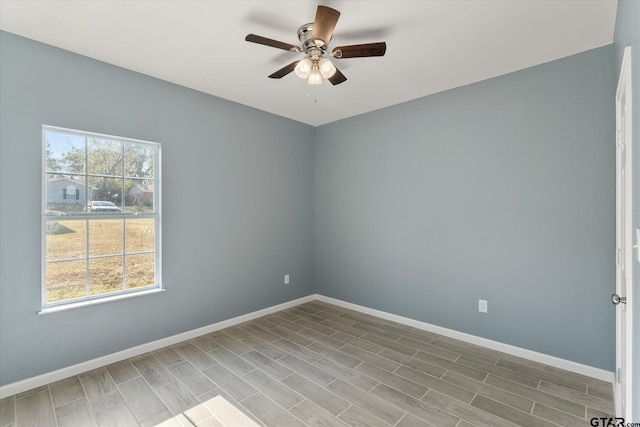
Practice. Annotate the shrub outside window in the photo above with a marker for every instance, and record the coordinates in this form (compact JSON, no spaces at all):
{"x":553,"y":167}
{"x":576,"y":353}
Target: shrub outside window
{"x":101,"y":216}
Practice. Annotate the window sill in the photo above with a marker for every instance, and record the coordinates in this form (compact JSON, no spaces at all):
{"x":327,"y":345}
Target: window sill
{"x":87,"y":303}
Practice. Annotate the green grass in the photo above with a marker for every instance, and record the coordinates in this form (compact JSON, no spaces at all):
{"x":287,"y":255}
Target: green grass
{"x":68,"y":279}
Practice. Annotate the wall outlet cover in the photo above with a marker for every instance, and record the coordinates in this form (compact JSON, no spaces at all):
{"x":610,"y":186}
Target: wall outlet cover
{"x":482,"y":306}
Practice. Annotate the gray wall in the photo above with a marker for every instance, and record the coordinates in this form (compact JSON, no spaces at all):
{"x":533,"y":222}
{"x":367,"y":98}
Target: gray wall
{"x":503,"y":190}
{"x":238,"y":205}
{"x":628,"y":34}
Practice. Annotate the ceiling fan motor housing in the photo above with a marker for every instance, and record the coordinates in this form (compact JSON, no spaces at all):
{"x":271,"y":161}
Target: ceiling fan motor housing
{"x":309,"y":46}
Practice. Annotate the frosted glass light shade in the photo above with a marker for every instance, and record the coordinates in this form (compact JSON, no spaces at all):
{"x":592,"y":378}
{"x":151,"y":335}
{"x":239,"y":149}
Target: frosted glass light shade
{"x":303,"y":68}
{"x":327,"y":69}
{"x":315,"y":78}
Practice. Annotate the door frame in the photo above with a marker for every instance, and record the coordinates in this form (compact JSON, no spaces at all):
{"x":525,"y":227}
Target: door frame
{"x":624,"y":256}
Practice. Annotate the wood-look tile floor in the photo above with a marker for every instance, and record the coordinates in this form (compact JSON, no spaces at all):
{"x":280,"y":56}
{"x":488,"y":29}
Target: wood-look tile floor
{"x":316,"y":365}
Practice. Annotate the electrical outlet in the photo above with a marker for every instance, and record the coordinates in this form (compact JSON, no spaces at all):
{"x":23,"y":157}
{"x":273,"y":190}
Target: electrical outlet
{"x":482,"y":306}
{"x":286,"y":279}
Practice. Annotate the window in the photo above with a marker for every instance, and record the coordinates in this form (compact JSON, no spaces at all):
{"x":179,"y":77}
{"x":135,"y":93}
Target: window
{"x":101,"y":216}
{"x":71,"y":190}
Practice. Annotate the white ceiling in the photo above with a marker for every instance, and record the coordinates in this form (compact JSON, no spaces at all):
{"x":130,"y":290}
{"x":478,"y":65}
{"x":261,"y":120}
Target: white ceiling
{"x":431,"y":45}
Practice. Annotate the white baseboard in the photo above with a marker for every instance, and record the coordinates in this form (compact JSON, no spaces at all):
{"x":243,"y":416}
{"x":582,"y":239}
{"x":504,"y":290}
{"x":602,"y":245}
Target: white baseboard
{"x":556,"y":362}
{"x":60,"y":374}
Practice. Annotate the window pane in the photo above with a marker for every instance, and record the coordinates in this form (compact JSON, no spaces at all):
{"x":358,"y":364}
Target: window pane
{"x":105,"y":237}
{"x":103,"y":190}
{"x":138,"y":160}
{"x":139,"y":195}
{"x":64,"y":152}
{"x":104,"y":157}
{"x":66,"y":239}
{"x":66,"y":280}
{"x":140,"y":235}
{"x":140,"y":270}
{"x":106,"y":275}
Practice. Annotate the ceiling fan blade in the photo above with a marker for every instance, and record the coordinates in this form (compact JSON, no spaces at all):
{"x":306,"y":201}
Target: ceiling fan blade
{"x":337,"y":78}
{"x":270,"y":42}
{"x":324,"y":24}
{"x":284,"y":71}
{"x":360,"y":50}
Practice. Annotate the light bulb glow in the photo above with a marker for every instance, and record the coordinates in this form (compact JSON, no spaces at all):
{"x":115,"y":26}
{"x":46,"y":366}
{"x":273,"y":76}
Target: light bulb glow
{"x":315,"y":78}
{"x":303,"y":68}
{"x":327,"y":69}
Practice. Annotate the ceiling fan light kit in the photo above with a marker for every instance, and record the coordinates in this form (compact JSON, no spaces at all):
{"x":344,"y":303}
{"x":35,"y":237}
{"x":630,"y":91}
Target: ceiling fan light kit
{"x":314,"y":38}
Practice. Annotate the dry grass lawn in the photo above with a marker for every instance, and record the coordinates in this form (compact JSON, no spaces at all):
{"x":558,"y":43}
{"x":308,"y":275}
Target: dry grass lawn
{"x":113,"y":244}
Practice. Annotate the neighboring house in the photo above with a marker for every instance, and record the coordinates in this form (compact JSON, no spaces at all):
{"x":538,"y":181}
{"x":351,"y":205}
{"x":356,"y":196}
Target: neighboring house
{"x":141,"y":194}
{"x":66,"y":191}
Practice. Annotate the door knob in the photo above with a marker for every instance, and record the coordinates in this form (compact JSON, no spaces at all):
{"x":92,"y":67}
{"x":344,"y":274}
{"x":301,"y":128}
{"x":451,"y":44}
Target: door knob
{"x":617,"y":299}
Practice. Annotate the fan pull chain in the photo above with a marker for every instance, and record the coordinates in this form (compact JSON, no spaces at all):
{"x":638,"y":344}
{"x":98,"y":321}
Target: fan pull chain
{"x":315,"y":94}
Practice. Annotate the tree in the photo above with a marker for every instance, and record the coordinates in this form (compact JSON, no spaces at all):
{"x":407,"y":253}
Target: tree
{"x":113,"y":166}
{"x":52,"y":163}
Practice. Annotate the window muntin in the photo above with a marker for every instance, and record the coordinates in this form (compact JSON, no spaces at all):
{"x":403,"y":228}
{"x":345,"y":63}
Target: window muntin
{"x":102,"y":237}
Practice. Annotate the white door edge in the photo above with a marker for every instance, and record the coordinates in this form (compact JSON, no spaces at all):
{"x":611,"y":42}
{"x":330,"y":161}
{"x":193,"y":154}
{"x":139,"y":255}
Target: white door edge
{"x":623,"y":398}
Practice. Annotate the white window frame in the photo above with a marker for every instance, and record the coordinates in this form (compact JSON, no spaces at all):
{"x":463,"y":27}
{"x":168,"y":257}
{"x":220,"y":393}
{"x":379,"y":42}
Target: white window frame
{"x":157,"y":215}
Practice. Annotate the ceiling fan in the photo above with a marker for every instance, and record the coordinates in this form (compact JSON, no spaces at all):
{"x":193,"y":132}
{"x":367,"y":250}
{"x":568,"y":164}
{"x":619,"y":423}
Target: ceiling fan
{"x":314,"y":38}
